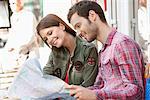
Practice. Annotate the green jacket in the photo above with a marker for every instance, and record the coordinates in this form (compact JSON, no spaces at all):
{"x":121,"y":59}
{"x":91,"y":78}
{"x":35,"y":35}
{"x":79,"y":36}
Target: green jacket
{"x":82,"y":67}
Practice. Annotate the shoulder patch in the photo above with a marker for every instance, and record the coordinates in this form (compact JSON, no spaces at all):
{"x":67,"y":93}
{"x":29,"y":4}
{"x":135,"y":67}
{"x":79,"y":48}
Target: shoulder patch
{"x":78,"y":65}
{"x":91,"y":61}
{"x":57,"y":72}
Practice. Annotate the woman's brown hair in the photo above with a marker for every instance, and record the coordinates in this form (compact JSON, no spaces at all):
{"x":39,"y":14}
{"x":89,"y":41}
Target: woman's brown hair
{"x":53,"y":20}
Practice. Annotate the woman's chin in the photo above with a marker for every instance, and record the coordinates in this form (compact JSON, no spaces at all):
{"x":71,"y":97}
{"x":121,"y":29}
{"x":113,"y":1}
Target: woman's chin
{"x":58,"y":46}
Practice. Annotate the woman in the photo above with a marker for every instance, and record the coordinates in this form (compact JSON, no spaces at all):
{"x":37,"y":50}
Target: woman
{"x":72,"y":59}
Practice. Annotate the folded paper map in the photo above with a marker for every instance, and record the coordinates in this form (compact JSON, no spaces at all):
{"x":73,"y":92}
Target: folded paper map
{"x":30,"y":84}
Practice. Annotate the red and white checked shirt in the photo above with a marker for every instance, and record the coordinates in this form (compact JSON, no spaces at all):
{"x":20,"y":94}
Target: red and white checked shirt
{"x":121,"y":69}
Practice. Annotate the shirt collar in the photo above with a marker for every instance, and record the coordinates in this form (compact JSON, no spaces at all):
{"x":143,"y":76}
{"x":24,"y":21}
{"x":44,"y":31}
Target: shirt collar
{"x":109,"y":38}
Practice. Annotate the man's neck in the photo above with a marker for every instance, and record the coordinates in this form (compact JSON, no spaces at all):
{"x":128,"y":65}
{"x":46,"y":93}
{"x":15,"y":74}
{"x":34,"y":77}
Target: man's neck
{"x":19,"y":9}
{"x":103,"y":33}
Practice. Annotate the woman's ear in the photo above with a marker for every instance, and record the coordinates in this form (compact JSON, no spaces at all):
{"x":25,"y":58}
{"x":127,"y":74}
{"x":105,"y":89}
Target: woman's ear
{"x":92,"y":16}
{"x":61,"y":26}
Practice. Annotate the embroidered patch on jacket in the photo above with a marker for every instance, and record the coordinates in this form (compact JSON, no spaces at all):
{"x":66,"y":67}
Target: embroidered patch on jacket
{"x":57,"y":72}
{"x":91,"y":61}
{"x":78,"y":65}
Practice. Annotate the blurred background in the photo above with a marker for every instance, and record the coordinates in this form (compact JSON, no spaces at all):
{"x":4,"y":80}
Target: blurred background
{"x":122,"y":14}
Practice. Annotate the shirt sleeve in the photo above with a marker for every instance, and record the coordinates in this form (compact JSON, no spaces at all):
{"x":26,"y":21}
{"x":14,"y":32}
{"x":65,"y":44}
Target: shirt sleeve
{"x":128,"y":59}
{"x":28,"y":30}
{"x":90,"y":66}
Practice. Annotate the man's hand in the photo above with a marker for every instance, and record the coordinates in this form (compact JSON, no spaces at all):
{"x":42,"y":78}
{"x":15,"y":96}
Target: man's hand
{"x":11,"y":49}
{"x":81,"y":93}
{"x":24,"y":49}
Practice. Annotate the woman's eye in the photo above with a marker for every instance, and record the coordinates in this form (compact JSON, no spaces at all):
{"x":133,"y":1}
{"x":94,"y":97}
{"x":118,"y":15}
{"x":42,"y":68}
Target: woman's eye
{"x":49,"y":33}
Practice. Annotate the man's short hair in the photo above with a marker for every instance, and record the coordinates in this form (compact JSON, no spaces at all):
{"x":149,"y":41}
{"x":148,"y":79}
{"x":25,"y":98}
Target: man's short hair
{"x":82,"y":8}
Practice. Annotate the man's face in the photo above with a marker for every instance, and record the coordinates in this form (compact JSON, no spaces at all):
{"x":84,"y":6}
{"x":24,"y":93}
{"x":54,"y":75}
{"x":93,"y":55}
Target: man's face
{"x":16,"y":5}
{"x":85,"y":28}
{"x":143,"y":3}
{"x":13,"y":5}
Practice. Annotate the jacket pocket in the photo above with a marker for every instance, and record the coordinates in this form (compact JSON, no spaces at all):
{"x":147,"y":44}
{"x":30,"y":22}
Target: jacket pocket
{"x":76,"y":72}
{"x":77,"y":77}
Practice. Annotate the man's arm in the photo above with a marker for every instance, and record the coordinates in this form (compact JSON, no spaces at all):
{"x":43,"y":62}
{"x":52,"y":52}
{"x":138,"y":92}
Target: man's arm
{"x":35,"y":42}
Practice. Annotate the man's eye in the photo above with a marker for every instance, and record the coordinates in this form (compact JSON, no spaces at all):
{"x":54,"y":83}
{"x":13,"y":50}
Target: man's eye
{"x":12,"y":3}
{"x":77,"y":26}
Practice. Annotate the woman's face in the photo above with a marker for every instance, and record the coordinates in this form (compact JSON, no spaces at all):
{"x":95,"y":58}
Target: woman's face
{"x":53,"y":36}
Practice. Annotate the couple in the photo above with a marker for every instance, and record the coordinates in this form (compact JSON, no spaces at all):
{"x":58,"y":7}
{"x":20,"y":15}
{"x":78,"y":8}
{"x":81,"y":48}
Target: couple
{"x":116,"y":73}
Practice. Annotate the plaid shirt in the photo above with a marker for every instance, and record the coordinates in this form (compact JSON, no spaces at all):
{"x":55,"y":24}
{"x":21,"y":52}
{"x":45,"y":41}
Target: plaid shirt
{"x":121,"y":69}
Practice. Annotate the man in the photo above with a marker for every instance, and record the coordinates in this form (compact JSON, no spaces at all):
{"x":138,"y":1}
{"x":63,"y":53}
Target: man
{"x":143,"y":27}
{"x":23,"y":25}
{"x":144,"y":34}
{"x":121,"y":66}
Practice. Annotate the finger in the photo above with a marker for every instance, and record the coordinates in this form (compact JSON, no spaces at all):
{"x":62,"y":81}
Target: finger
{"x":72,"y":92}
{"x":71,"y":87}
{"x":66,"y":85}
{"x":77,"y":95}
{"x":11,"y":49}
{"x":148,"y":76}
{"x":146,"y":72}
{"x":78,"y":99}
